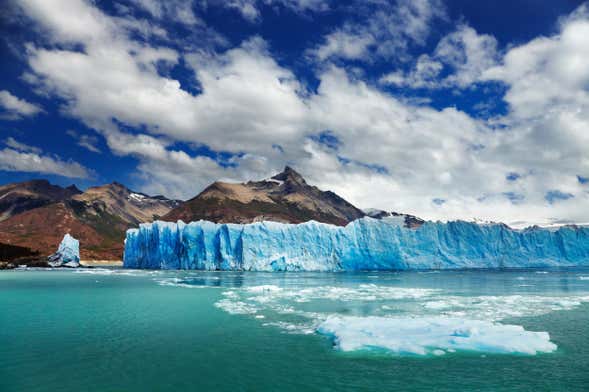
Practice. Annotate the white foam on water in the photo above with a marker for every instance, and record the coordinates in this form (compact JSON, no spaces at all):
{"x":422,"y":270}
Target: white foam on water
{"x":180,"y":282}
{"x":294,"y":328}
{"x":363,"y":292}
{"x":263,"y":288}
{"x":501,"y":307}
{"x":583,"y":277}
{"x":107,"y":271}
{"x":396,"y":300}
{"x":433,"y":336}
{"x":232,"y":306}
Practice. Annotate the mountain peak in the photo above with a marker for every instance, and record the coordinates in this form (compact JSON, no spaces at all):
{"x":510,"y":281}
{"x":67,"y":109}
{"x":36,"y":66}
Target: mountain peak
{"x":290,"y":175}
{"x":73,"y":189}
{"x":116,"y":184}
{"x":286,"y":197}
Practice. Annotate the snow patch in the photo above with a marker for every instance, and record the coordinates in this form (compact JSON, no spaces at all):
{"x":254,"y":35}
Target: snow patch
{"x":136,"y":197}
{"x":274,"y":181}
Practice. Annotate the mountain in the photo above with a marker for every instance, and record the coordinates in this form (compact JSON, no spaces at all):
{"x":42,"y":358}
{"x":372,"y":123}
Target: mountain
{"x":409,"y":221}
{"x":117,"y":200}
{"x":23,"y":196}
{"x":36,"y":214}
{"x":97,"y":217}
{"x":286,"y":198}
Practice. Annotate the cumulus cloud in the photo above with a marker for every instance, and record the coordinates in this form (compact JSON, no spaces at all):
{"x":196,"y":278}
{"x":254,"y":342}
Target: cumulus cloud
{"x":464,"y":54}
{"x":468,"y":53}
{"x":384,"y":31}
{"x":548,"y":97}
{"x":13,"y":108}
{"x":382,"y":151}
{"x":21,"y":157}
{"x":425,"y":74}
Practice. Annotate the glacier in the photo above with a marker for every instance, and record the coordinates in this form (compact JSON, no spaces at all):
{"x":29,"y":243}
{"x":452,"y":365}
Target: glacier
{"x":68,"y":253}
{"x":364,"y":244}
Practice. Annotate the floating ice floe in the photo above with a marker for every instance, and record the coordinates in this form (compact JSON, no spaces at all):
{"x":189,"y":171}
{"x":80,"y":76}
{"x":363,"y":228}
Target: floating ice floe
{"x":433,"y":336}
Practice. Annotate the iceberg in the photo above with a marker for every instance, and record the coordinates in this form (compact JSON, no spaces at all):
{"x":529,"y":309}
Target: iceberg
{"x":68,"y":253}
{"x":433,"y":336}
{"x":364,"y":244}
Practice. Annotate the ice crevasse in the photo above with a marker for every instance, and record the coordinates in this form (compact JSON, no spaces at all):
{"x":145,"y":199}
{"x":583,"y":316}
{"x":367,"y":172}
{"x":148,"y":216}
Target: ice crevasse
{"x":364,"y":244}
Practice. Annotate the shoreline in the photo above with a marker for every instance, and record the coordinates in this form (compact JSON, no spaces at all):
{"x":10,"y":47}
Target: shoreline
{"x":101,"y":263}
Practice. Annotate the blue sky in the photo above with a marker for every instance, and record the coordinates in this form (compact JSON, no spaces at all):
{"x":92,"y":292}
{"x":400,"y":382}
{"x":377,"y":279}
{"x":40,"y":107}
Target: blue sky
{"x":444,"y":109}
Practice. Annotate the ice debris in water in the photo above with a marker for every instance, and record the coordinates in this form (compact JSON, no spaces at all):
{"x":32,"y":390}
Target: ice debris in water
{"x":414,"y":321}
{"x":364,"y":244}
{"x":68,"y":253}
{"x":433,"y":336}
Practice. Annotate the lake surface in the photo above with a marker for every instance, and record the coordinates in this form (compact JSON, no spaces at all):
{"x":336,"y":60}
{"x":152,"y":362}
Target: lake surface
{"x":127,"y":330}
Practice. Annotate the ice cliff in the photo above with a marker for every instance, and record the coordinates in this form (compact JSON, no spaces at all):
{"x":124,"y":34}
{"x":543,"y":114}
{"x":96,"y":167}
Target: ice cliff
{"x":68,"y":253}
{"x":364,"y":244}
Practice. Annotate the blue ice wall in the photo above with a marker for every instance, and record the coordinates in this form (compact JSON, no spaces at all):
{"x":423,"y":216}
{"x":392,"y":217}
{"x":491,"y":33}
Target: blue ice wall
{"x":365,"y":244}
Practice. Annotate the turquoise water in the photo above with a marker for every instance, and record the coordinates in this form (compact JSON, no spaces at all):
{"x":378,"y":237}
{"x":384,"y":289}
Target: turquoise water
{"x":118,"y":330}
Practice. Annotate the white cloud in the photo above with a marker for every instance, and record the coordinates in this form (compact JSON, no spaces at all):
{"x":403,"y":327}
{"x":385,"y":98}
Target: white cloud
{"x":248,"y":101}
{"x":24,"y":158}
{"x":88,"y":142}
{"x":383,"y":33}
{"x":424,"y":74}
{"x":468,"y":54}
{"x":548,"y":97}
{"x":247,"y":9}
{"x":14,"y":108}
{"x":16,"y":145}
{"x":250,"y":9}
{"x":176,"y":10}
{"x":464,"y":53}
{"x":345,"y":44}
{"x":391,"y":154}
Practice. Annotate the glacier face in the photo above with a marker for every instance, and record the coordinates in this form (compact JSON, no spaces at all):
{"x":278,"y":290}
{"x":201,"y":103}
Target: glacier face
{"x":364,"y":244}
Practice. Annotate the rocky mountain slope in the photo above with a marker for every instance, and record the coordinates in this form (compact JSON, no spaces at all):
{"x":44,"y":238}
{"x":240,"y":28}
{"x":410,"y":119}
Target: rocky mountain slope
{"x":117,"y":200}
{"x":42,"y":213}
{"x":286,"y":197}
{"x":23,"y":196}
